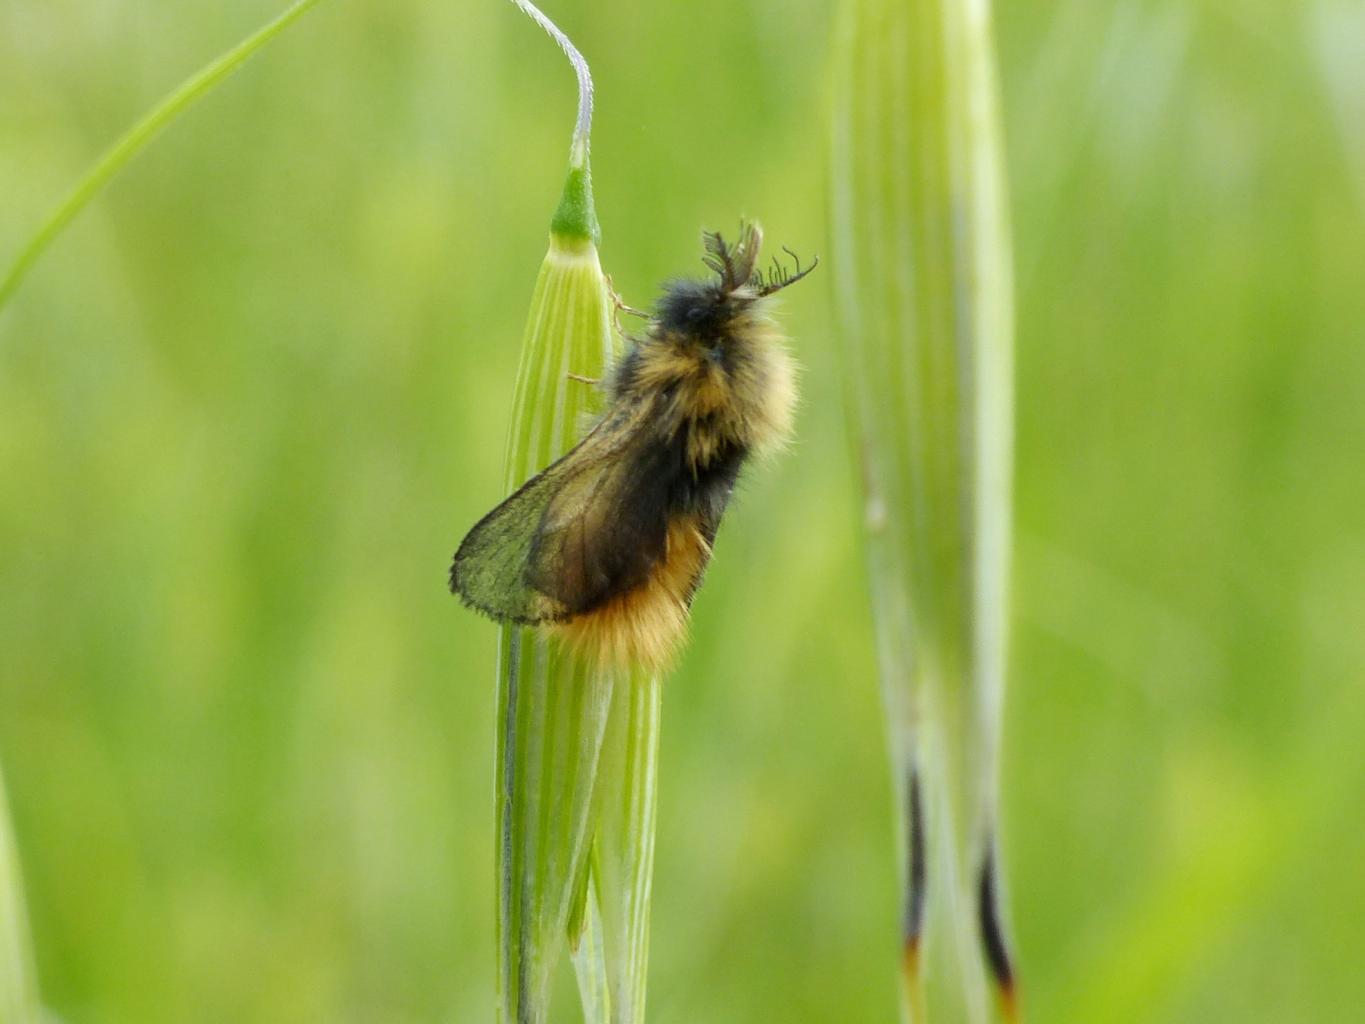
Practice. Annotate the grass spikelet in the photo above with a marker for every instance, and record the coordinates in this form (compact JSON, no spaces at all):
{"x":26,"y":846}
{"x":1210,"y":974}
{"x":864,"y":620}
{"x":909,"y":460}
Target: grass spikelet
{"x":576,"y":747}
{"x":552,"y":711}
{"x":923,"y":294}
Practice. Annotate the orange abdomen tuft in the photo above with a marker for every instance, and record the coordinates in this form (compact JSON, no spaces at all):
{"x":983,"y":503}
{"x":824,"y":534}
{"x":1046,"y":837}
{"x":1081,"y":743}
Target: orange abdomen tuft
{"x":645,"y":626}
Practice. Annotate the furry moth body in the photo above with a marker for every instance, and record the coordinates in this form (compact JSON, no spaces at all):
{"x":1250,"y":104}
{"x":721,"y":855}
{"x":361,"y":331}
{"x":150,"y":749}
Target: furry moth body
{"x":608,"y":545}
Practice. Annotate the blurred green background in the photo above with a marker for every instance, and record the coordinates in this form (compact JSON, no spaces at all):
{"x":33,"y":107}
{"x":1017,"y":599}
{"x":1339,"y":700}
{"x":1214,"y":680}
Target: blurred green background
{"x":254,"y":397}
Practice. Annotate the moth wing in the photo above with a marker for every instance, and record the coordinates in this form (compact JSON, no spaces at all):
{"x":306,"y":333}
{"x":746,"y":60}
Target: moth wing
{"x":590,"y":526}
{"x":489,"y":569}
{"x":604,"y":531}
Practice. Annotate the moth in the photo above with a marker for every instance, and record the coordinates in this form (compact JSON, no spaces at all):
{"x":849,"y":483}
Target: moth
{"x":608,"y":545}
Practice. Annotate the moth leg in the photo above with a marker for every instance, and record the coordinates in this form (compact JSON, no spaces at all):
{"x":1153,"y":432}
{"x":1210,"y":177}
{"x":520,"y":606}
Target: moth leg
{"x":594,"y":381}
{"x":621,"y":307}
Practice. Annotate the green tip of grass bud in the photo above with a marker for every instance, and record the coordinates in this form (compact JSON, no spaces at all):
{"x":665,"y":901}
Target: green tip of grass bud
{"x":576,"y":216}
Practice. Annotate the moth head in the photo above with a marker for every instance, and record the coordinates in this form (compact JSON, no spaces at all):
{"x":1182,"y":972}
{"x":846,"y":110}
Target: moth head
{"x":708,"y":307}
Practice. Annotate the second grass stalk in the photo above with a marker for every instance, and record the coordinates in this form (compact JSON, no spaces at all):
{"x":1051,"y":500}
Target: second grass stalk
{"x":923,"y":296}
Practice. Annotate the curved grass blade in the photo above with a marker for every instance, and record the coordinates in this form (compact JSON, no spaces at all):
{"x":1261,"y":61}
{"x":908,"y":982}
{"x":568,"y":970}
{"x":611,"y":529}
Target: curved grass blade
{"x":194,"y":88}
{"x":923,"y":297}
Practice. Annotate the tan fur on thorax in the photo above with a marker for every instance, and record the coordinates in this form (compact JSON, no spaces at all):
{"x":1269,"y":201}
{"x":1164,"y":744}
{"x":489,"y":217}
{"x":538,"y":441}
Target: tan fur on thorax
{"x":644,"y":626}
{"x":750,"y":405}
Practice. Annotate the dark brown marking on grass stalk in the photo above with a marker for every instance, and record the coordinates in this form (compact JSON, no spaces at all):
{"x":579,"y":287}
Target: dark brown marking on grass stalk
{"x":912,"y":924}
{"x":993,"y":935}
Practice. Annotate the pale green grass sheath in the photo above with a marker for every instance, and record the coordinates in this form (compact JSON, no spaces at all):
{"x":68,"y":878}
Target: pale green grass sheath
{"x":576,"y":747}
{"x":18,"y":991}
{"x":923,"y":296}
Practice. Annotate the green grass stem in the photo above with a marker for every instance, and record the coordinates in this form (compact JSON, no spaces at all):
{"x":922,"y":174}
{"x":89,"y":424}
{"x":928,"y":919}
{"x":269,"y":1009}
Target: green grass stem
{"x":132,"y":142}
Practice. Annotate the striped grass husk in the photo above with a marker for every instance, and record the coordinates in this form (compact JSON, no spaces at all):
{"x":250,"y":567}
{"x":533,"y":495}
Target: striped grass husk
{"x":576,"y":748}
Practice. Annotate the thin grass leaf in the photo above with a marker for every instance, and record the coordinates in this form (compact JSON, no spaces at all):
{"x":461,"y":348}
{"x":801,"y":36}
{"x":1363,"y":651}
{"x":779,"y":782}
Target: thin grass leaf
{"x":923,"y":297}
{"x":133,"y":141}
{"x":18,"y":988}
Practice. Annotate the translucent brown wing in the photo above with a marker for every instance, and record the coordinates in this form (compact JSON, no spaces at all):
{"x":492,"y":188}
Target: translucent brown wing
{"x":587,"y":528}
